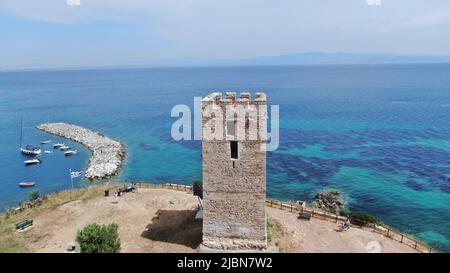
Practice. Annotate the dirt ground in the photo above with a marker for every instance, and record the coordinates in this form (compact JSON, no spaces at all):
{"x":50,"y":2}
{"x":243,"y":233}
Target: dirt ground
{"x":149,"y":220}
{"x":318,"y":235}
{"x":162,"y":220}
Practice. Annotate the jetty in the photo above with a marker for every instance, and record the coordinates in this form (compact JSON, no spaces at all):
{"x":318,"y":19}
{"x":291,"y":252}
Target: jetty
{"x":106,"y":154}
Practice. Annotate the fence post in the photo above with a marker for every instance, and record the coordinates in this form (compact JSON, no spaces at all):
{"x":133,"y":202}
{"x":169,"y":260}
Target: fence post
{"x":401,"y":241}
{"x":271,"y":205}
{"x":415,"y":246}
{"x":291,"y":207}
{"x":336,"y":218}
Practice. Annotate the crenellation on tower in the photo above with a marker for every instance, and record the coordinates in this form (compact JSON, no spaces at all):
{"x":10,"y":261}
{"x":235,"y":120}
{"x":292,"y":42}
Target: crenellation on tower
{"x":260,"y":97}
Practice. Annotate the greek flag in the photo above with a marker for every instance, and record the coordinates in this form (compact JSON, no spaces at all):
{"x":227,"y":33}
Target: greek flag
{"x":75,"y":174}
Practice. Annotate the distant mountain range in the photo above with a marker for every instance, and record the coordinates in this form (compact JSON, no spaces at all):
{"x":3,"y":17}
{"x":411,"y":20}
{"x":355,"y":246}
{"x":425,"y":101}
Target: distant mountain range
{"x":312,"y":58}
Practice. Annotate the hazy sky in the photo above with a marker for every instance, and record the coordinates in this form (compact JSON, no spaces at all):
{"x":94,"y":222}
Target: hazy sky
{"x":52,"y":33}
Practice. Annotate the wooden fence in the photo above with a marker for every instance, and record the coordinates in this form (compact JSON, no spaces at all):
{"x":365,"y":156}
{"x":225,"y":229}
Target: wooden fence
{"x":170,"y":186}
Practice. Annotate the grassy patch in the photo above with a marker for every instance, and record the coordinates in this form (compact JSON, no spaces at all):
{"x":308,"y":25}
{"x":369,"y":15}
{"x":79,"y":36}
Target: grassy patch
{"x":12,"y":241}
{"x":9,"y":242}
{"x":274,"y":231}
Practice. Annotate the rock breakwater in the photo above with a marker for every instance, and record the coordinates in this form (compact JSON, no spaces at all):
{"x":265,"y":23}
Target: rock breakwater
{"x":107,"y":154}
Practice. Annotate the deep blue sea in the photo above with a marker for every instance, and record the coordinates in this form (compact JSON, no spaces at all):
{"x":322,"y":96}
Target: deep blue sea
{"x":380,"y":134}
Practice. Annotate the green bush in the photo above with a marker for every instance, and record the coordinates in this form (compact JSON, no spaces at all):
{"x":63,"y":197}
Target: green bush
{"x":96,"y":238}
{"x":34,"y":195}
{"x":362,"y":218}
{"x":197,"y":188}
{"x":344,"y":212}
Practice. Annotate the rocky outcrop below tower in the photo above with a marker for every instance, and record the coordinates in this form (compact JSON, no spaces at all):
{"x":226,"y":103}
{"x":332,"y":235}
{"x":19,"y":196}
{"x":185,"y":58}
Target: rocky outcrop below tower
{"x":107,"y":154}
{"x":329,"y":200}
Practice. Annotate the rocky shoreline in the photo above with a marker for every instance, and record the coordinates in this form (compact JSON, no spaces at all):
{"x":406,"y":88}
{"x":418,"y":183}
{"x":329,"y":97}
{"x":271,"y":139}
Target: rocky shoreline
{"x":107,"y":154}
{"x":329,"y":200}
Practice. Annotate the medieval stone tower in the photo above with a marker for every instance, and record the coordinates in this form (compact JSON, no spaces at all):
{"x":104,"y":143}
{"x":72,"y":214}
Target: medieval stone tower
{"x":234,"y":135}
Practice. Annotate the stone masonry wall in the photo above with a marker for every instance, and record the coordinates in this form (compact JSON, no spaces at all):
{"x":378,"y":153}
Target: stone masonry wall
{"x":234,"y":194}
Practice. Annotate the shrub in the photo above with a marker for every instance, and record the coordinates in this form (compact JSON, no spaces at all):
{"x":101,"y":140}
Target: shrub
{"x":197,"y":188}
{"x":96,"y":238}
{"x":361,"y":218}
{"x":34,"y":195}
{"x":344,"y":212}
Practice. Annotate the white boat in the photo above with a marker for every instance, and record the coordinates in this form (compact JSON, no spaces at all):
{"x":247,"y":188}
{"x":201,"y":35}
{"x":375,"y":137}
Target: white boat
{"x":46,"y":142}
{"x":48,"y":152}
{"x":64,"y":148}
{"x":58,"y":145}
{"x":30,"y":150}
{"x":71,"y":152}
{"x":26,"y":184}
{"x":32,"y":161}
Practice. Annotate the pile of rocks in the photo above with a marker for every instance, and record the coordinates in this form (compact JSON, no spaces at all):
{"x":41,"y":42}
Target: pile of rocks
{"x":107,"y":154}
{"x":329,"y":200}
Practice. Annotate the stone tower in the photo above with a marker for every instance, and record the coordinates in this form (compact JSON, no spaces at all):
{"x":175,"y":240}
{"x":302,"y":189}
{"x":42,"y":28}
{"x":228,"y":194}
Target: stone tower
{"x":234,"y":135}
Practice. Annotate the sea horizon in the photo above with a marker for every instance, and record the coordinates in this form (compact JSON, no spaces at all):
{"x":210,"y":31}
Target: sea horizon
{"x":193,"y":66}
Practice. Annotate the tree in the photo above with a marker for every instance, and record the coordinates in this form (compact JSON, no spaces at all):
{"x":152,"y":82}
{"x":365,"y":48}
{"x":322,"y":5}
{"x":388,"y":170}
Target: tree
{"x":34,"y":195}
{"x":197,"y":188}
{"x":96,"y":238}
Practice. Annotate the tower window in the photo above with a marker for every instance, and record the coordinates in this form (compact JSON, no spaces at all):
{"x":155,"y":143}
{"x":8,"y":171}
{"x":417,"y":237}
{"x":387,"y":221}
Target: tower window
{"x":234,"y":149}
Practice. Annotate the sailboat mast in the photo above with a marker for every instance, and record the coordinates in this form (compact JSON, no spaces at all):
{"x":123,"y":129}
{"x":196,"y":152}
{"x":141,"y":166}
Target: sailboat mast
{"x":21,"y":131}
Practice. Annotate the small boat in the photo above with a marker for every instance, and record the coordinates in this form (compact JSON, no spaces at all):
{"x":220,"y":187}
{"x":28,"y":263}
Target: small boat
{"x":32,"y":161}
{"x":71,"y":152}
{"x":58,"y":145}
{"x":30,"y":150}
{"x":26,"y":184}
{"x":64,"y":148}
{"x":46,"y":142}
{"x":48,"y":152}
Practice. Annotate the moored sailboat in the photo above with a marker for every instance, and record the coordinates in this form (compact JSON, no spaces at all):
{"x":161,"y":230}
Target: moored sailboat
{"x":28,"y":149}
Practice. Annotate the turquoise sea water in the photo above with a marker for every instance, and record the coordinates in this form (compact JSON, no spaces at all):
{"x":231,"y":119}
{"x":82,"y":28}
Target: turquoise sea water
{"x":381,"y":133}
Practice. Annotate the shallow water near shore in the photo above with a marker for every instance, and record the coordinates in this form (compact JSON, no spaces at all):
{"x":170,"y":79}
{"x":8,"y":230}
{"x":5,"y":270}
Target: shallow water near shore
{"x":380,"y":134}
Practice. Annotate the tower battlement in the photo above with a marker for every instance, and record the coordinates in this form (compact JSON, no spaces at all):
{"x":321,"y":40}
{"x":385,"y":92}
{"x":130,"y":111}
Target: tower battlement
{"x":231,"y":97}
{"x":232,"y":117}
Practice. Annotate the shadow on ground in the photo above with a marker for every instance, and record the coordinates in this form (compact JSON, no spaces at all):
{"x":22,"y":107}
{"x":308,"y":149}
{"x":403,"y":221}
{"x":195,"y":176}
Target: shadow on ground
{"x":175,"y":227}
